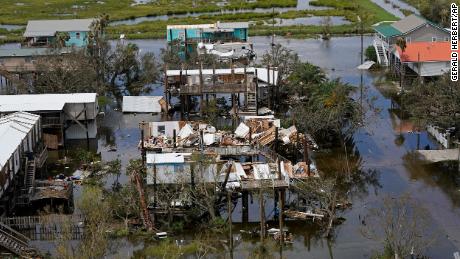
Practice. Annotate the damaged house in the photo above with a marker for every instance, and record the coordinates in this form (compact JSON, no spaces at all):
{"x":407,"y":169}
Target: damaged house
{"x":63,"y":116}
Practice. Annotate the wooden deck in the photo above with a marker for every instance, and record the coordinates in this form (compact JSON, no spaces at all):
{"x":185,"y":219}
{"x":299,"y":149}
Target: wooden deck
{"x":263,"y":184}
{"x":435,"y":156}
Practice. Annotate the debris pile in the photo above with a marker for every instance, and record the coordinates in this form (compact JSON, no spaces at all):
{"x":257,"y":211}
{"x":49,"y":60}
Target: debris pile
{"x":254,"y":130}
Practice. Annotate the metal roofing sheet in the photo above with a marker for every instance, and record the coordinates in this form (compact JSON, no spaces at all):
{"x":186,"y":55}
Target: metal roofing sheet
{"x":387,"y":30}
{"x":222,"y":25}
{"x":166,"y":158}
{"x":262,"y":73}
{"x":141,"y":103}
{"x":409,"y":23}
{"x":425,"y":52}
{"x":13,"y":129}
{"x":42,"y":102}
{"x":37,"y":28}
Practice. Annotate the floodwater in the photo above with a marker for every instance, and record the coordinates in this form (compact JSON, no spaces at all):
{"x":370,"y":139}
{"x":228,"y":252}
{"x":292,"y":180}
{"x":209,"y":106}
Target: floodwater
{"x":434,"y":188}
{"x":312,"y":20}
{"x":377,"y":144}
{"x":395,"y":7}
{"x":11,"y":27}
{"x":301,"y":5}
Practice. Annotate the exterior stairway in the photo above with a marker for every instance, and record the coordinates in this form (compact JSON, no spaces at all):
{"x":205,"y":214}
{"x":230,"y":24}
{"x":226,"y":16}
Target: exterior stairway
{"x":16,"y":243}
{"x":381,"y":52}
{"x":30,"y":175}
{"x":251,"y":106}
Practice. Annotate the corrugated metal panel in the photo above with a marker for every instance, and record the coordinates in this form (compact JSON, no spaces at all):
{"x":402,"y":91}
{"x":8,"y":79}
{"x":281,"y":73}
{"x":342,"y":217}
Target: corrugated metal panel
{"x":50,"y":27}
{"x":14,"y":129}
{"x":262,"y":73}
{"x":141,"y":103}
{"x":166,"y":158}
{"x":43,"y":102}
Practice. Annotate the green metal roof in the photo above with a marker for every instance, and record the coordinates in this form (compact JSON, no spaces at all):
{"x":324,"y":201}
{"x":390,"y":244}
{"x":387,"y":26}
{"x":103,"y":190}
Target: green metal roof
{"x":387,"y":30}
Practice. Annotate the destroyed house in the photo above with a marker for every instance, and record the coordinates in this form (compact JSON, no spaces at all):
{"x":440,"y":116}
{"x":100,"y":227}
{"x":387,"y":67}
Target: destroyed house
{"x":181,"y":168}
{"x":247,"y":81}
{"x":176,"y":168}
{"x":64,"y":116}
{"x":176,"y":154}
{"x":20,"y":147}
{"x":45,"y":33}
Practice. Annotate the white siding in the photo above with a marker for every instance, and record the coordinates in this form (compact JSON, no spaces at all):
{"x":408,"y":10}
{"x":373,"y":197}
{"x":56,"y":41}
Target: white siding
{"x":431,"y":68}
{"x":168,"y":125}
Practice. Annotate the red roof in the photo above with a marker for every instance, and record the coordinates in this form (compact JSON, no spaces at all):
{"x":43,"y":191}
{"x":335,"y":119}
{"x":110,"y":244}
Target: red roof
{"x":425,"y":51}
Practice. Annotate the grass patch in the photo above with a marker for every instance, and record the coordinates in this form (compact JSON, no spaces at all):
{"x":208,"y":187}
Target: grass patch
{"x":14,"y":12}
{"x":371,"y":12}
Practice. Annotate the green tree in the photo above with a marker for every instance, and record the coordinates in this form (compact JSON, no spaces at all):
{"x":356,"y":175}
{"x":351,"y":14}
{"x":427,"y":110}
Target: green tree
{"x":131,"y":73}
{"x":436,"y":103}
{"x":65,"y":73}
{"x":303,"y":78}
{"x":330,"y":111}
{"x":282,"y":58}
{"x":97,"y":213}
{"x":124,"y":203}
{"x":370,"y":54}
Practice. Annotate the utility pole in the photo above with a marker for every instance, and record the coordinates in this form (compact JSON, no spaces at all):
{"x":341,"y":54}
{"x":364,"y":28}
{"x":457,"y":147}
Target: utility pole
{"x":361,"y":71}
{"x":273,"y":59}
{"x":229,"y":212}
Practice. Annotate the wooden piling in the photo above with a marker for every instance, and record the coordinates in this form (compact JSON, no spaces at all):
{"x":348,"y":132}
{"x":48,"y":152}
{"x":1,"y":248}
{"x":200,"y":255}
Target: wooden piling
{"x":229,"y":212}
{"x":262,"y":216}
{"x":281,"y":215}
{"x":245,"y":204}
{"x":305,"y":154}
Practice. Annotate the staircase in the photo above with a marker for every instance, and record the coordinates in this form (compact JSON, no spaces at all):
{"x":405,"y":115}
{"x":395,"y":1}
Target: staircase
{"x":30,"y":175}
{"x":251,"y":105}
{"x":16,"y":243}
{"x":381,"y":52}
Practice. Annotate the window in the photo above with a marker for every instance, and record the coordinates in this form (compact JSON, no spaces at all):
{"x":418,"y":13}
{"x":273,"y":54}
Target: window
{"x":408,"y":39}
{"x":161,"y":130}
{"x":77,"y":35}
{"x":433,"y":39}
